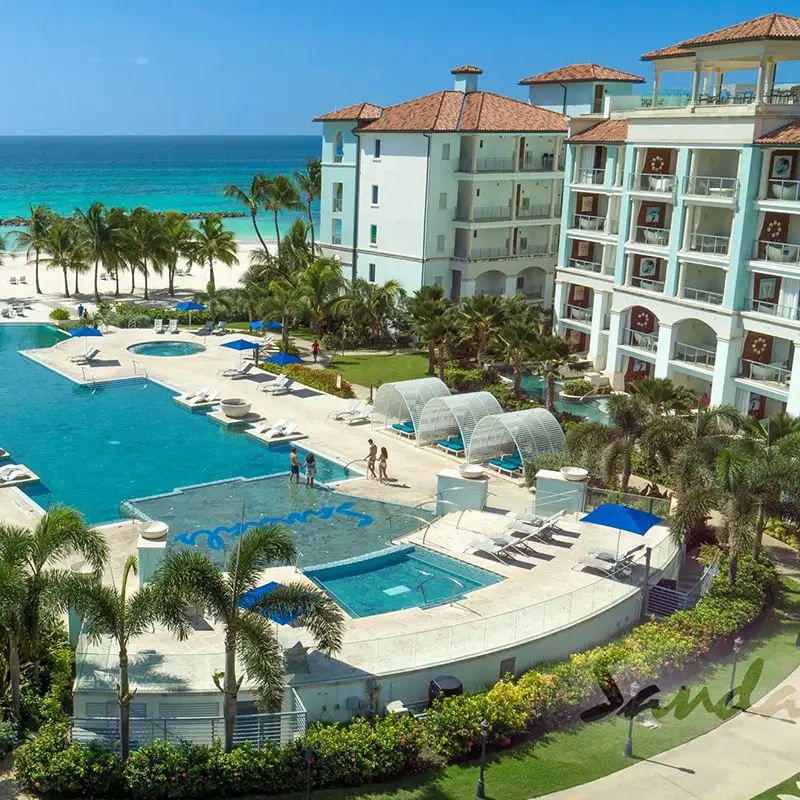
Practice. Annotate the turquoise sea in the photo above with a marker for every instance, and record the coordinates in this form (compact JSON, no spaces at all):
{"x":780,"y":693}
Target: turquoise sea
{"x":181,"y":173}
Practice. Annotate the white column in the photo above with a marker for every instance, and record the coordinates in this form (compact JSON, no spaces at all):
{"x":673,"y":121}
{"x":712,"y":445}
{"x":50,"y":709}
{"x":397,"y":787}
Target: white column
{"x":723,"y":389}
{"x":708,"y":85}
{"x":656,"y":86}
{"x":762,"y":78}
{"x":793,"y":402}
{"x":718,"y":83}
{"x":559,"y":297}
{"x":613,"y":362}
{"x":681,"y":278}
{"x":598,"y":345}
{"x":696,"y":84}
{"x":663,"y":351}
{"x":511,"y":285}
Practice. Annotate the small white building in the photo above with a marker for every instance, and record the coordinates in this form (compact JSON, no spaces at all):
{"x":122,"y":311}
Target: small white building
{"x":460,"y":188}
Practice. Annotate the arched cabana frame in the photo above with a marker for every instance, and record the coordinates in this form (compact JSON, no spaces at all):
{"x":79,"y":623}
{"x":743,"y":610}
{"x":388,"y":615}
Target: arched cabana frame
{"x":455,"y":416}
{"x":404,"y":400}
{"x":528,"y":433}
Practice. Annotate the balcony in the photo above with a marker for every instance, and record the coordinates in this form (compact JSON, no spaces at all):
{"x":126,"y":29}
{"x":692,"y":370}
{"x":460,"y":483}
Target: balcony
{"x":336,"y":238}
{"x":337,"y":204}
{"x":487,"y":165}
{"x":644,"y":341}
{"x":594,"y":177}
{"x":653,"y":182}
{"x":778,"y":252}
{"x":531,"y":250}
{"x":541,"y":211}
{"x":702,"y":296}
{"x":765,"y":373}
{"x":589,"y":223}
{"x":543,"y":163}
{"x":784,"y":190}
{"x":578,"y":313}
{"x":658,"y":237}
{"x":648,"y":284}
{"x":691,"y":354}
{"x":497,"y":253}
{"x":586,"y":266}
{"x":533,"y":295}
{"x":711,"y":187}
{"x":485,"y":214}
{"x":773,"y":309}
{"x":709,"y":243}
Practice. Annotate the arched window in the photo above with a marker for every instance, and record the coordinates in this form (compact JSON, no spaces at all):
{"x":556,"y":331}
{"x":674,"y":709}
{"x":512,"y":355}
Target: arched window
{"x":338,"y":147}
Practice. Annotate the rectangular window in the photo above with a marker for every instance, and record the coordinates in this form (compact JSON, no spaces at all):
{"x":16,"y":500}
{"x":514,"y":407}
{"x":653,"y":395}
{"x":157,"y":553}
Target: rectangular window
{"x":372,"y":273}
{"x":440,"y":243}
{"x":373,"y":234}
{"x":446,"y":151}
{"x":374,"y":194}
{"x":442,"y":200}
{"x":337,"y":231}
{"x":520,"y":285}
{"x":377,"y":148}
{"x":477,"y":193}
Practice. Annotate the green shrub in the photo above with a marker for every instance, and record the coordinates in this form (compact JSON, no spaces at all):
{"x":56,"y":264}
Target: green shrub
{"x":9,"y":737}
{"x":317,"y":379}
{"x":59,"y":314}
{"x":578,"y":387}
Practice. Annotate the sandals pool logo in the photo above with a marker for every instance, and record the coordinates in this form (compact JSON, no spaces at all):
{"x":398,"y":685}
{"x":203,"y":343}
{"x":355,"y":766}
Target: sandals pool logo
{"x":215,"y":539}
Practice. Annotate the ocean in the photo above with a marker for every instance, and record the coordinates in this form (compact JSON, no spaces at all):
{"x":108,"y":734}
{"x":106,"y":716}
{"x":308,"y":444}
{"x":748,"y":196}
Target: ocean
{"x":180,"y":173}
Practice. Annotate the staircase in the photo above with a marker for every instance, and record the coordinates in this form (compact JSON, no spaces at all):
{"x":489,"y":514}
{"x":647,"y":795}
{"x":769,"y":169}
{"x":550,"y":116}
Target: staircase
{"x":670,"y":596}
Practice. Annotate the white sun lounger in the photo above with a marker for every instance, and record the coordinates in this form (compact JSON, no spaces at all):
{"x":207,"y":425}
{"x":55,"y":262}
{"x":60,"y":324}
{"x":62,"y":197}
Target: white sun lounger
{"x":220,"y":329}
{"x":348,"y":412}
{"x":275,"y":431}
{"x":83,"y":357}
{"x":23,"y":279}
{"x":211,"y":396}
{"x":13,"y":280}
{"x":158,"y":325}
{"x":236,"y":372}
{"x":534,"y":521}
{"x":364,"y":415}
{"x":282,"y":385}
{"x":498,"y":547}
{"x":269,"y":385}
{"x":206,"y":329}
{"x":609,"y":565}
{"x":173,"y":326}
{"x":197,"y":395}
{"x":12,"y":473}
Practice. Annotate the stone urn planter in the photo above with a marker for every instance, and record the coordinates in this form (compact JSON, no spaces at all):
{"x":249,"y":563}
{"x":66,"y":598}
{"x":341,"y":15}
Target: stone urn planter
{"x":154,"y":531}
{"x":235,"y":407}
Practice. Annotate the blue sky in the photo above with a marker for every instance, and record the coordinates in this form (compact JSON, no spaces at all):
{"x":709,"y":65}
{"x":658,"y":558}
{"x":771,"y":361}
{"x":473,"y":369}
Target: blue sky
{"x":266,"y":67}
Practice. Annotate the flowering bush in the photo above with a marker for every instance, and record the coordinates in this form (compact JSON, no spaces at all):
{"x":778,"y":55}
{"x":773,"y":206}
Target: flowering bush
{"x":317,"y":379}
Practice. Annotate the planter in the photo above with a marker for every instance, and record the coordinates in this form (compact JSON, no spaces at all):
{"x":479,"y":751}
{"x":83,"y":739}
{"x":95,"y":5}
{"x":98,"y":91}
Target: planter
{"x":785,"y":191}
{"x":235,"y":407}
{"x":575,"y":474}
{"x":588,"y":223}
{"x":471,"y":470}
{"x":577,"y":398}
{"x":778,"y":252}
{"x":153,"y":531}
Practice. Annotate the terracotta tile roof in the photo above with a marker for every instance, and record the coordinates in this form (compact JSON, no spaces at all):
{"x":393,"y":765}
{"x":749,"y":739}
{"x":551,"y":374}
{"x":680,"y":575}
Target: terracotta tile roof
{"x":575,"y":73}
{"x":673,"y":51}
{"x":785,"y":135}
{"x":358,"y":111}
{"x":609,"y":131}
{"x":467,"y":68}
{"x":450,"y":111}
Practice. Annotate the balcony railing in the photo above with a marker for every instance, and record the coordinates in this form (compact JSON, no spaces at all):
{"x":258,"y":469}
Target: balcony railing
{"x":484,"y":214}
{"x":578,"y":313}
{"x":783,"y":97}
{"x":532,"y":250}
{"x":653,"y":236}
{"x":541,"y":211}
{"x":785,"y":190}
{"x":710,"y":186}
{"x":534,"y":294}
{"x":778,"y":252}
{"x":653,"y":182}
{"x":709,"y":243}
{"x":487,"y":165}
{"x":587,"y":222}
{"x":644,"y":341}
{"x":336,"y":238}
{"x":543,"y":163}
{"x":765,"y":373}
{"x":587,"y":266}
{"x":773,"y":309}
{"x":482,"y":253}
{"x":648,"y":284}
{"x":692,"y":354}
{"x":703,"y":296}
{"x":595,"y":177}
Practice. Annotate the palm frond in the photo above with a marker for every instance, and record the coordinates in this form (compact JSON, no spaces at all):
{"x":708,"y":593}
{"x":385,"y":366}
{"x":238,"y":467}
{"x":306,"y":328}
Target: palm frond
{"x":260,"y":548}
{"x":262,"y":657}
{"x":192,"y":576}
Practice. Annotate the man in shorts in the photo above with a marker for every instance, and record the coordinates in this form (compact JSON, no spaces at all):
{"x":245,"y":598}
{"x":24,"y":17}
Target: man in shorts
{"x":370,"y":459}
{"x":294,"y":472}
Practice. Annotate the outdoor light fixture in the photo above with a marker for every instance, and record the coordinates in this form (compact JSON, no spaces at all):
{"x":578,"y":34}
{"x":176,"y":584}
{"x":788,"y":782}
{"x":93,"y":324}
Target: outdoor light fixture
{"x":480,"y":790}
{"x":631,"y":714}
{"x":737,"y":646}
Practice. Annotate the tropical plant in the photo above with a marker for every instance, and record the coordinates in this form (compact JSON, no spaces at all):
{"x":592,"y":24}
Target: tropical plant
{"x":517,"y":347}
{"x":551,"y":354}
{"x":248,"y":633}
{"x":663,"y":396}
{"x":309,"y":182}
{"x":57,"y":245}
{"x":101,"y":238}
{"x":251,"y":198}
{"x":295,"y":253}
{"x":425,"y":306}
{"x":322,"y":283}
{"x":110,"y":612}
{"x":214,"y":243}
{"x":146,"y":244}
{"x":480,"y":317}
{"x":33,"y":238}
{"x":179,"y":241}
{"x":370,"y":307}
{"x":218,"y":302}
{"x":280,"y":194}
{"x":285,"y":300}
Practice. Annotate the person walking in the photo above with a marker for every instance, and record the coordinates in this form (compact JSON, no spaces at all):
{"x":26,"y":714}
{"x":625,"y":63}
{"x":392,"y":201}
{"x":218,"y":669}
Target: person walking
{"x":80,"y":310}
{"x":311,"y":469}
{"x":371,"y":456}
{"x":315,"y":350}
{"x":294,"y":461}
{"x":382,"y":461}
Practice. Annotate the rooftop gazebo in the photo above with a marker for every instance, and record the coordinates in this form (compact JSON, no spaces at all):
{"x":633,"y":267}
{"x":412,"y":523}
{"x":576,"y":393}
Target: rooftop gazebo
{"x":455,"y":415}
{"x":404,"y":400}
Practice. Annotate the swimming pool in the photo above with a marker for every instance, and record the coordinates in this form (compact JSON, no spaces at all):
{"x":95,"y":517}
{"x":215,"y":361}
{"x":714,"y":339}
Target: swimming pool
{"x":166,"y":349}
{"x":402,"y":577}
{"x":591,"y":411}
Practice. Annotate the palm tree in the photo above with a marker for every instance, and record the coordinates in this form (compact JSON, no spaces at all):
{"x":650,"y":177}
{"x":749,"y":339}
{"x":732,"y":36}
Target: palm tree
{"x":251,"y":199}
{"x":79,"y":251}
{"x":217,"y":301}
{"x":663,"y":396}
{"x":295,"y":253}
{"x":192,"y":576}
{"x":12,"y":600}
{"x":32,"y":239}
{"x":102,"y":240}
{"x":369,"y":306}
{"x":110,"y":612}
{"x":285,"y":300}
{"x":425,"y":306}
{"x":480,"y":318}
{"x":3,"y":248}
{"x":310,"y":184}
{"x":552,"y":354}
{"x":35,"y":556}
{"x":214,"y":243}
{"x":280,"y":194}
{"x":517,"y":347}
{"x":57,"y":246}
{"x":322,"y":283}
{"x":179,"y":240}
{"x":119,"y":220}
{"x":146,"y":244}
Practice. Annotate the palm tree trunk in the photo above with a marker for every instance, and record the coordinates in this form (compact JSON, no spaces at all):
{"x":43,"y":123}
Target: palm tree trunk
{"x":230,"y":695}
{"x":441,"y":362}
{"x":211,"y":272}
{"x":310,"y":226}
{"x":759,"y":531}
{"x":518,"y":379}
{"x":550,"y":393}
{"x":38,"y":288}
{"x":733,"y":564}
{"x":116,"y":281}
{"x":14,"y":670}
{"x":277,"y":232}
{"x":66,"y":282}
{"x":133,"y":276}
{"x":285,"y":333}
{"x":626,"y":471}
{"x":146,"y":296}
{"x":76,"y":282}
{"x":96,"y":287}
{"x":124,"y":698}
{"x":171,"y":279}
{"x":258,"y":232}
{"x":431,"y":358}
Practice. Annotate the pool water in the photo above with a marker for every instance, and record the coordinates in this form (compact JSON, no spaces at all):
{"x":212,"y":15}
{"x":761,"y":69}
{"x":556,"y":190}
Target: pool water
{"x":166,"y":349}
{"x":591,"y":411}
{"x":403,"y":577}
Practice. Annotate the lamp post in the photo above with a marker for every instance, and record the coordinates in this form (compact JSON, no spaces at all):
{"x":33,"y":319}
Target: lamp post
{"x":480,"y":790}
{"x":628,"y":753}
{"x":737,"y":646}
{"x":309,"y":755}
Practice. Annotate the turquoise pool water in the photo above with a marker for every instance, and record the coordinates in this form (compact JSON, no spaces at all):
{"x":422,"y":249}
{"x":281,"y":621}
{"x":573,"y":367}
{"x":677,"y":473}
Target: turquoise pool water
{"x":166,"y":349}
{"x":591,"y":411}
{"x":403,"y":577}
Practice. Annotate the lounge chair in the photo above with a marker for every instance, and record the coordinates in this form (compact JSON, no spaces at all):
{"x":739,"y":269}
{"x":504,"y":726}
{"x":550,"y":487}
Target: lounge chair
{"x":362,"y":416}
{"x":12,"y":473}
{"x":206,"y":329}
{"x":527,"y":534}
{"x":347,"y":413}
{"x":173,"y":326}
{"x":264,"y":427}
{"x":158,"y":325}
{"x":276,"y":430}
{"x":536,"y":522}
{"x":269,"y":343}
{"x":268,"y":386}
{"x":86,"y":359}
{"x":195,"y":397}
{"x":454,"y":445}
{"x":405,"y":428}
{"x":498,"y":547}
{"x":609,"y":565}
{"x":284,"y":386}
{"x":23,"y":279}
{"x":211,"y":396}
{"x":220,"y":329}
{"x":510,"y":464}
{"x":13,"y":280}
{"x":4,"y":454}
{"x":237,"y":372}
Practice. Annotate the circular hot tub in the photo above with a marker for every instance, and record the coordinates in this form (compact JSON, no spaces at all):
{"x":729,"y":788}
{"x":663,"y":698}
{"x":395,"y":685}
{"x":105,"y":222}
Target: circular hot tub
{"x":166,"y":349}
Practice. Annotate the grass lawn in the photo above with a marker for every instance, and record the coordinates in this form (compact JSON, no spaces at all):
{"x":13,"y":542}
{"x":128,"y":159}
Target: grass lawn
{"x":790,"y":787}
{"x":366,"y":370}
{"x":297,"y":333}
{"x":589,"y":751}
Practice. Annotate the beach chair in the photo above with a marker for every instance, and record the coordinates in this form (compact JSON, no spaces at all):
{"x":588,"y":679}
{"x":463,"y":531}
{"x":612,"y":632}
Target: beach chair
{"x":527,"y":534}
{"x":158,"y":325}
{"x":405,"y":428}
{"x":86,"y":358}
{"x":497,"y":547}
{"x":608,"y":564}
{"x":180,"y":273}
{"x":365,"y":415}
{"x":237,"y":372}
{"x":173,"y":326}
{"x":220,"y":329}
{"x":23,"y":279}
{"x":533,"y":521}
{"x":194,"y":395}
{"x":275,"y":431}
{"x":12,"y":473}
{"x":206,"y":329}
{"x":279,"y":387}
{"x":6,"y":312}
{"x":211,"y":396}
{"x":348,"y":412}
{"x":263,"y":427}
{"x":269,"y":343}
{"x":290,"y":429}
{"x":265,"y":387}
{"x":13,"y":280}
{"x":454,"y":446}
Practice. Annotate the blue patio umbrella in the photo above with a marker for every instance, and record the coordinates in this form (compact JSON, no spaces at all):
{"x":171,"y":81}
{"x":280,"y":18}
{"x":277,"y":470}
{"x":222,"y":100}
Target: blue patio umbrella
{"x":190,"y":305}
{"x":242,"y":345}
{"x":260,"y":324}
{"x":274,"y":326}
{"x":249,"y":599}
{"x":85,"y":332}
{"x":623,"y":518}
{"x":282,"y":359}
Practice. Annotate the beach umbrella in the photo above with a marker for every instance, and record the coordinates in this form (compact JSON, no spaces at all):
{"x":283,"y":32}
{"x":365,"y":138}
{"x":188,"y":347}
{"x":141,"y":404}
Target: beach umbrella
{"x":274,"y":326}
{"x":257,"y":325}
{"x":623,"y":518}
{"x":249,"y":599}
{"x":242,"y":345}
{"x":190,"y":305}
{"x":260,"y":324}
{"x":85,"y":332}
{"x":282,"y":359}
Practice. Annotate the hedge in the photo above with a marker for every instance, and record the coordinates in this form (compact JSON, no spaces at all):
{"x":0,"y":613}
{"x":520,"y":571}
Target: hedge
{"x":316,"y":379}
{"x":370,"y":751}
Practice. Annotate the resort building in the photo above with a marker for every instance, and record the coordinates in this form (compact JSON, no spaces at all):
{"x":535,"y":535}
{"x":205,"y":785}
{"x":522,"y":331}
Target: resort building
{"x":460,"y":188}
{"x":681,"y":250}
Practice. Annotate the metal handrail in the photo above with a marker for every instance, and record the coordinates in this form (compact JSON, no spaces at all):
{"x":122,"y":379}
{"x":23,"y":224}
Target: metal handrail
{"x":783,"y":189}
{"x":766,"y":373}
{"x":663,"y":183}
{"x":709,"y":243}
{"x":580,"y":263}
{"x":773,"y":309}
{"x":595,"y":177}
{"x":642,"y":340}
{"x":703,"y":296}
{"x":695,"y":355}
{"x":584,"y":313}
{"x":710,"y":186}
{"x":455,"y":586}
{"x":648,"y":284}
{"x":648,"y":234}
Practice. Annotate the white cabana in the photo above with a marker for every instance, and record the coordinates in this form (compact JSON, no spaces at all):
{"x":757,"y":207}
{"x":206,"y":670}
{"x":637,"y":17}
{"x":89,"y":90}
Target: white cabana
{"x":530,"y":433}
{"x":404,"y":400}
{"x":455,"y":415}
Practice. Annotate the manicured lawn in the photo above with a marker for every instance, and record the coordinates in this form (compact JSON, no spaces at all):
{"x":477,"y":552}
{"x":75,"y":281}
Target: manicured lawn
{"x":589,"y":751}
{"x":366,"y":370}
{"x":790,"y":787}
{"x":297,"y":333}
